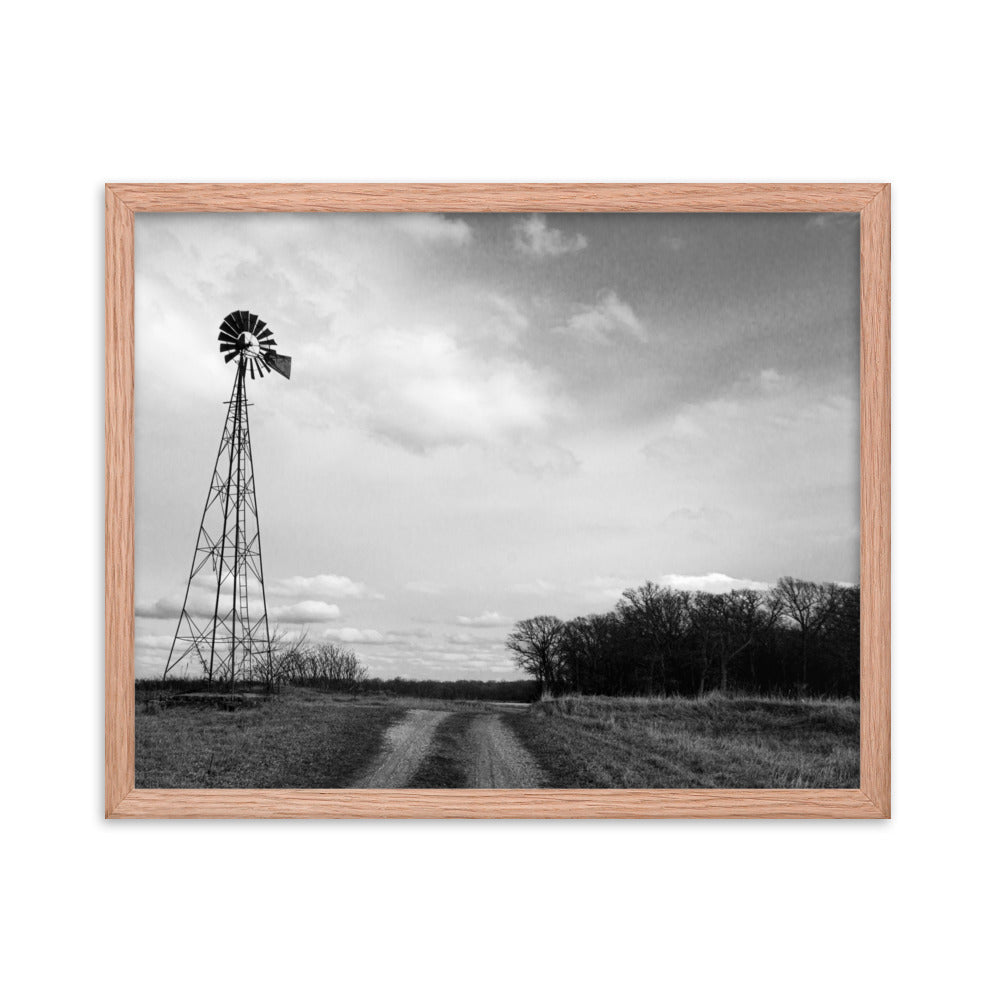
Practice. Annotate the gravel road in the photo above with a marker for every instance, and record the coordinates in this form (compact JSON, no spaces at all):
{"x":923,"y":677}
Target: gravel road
{"x":406,"y":743}
{"x":498,"y":758}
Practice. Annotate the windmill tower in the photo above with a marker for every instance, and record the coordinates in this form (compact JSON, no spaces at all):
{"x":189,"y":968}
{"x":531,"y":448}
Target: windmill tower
{"x":223,"y":629}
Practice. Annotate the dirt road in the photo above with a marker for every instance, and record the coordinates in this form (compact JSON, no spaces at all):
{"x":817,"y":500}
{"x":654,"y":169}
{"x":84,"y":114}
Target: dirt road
{"x":491,"y":755}
{"x":407,"y":742}
{"x":498,"y":759}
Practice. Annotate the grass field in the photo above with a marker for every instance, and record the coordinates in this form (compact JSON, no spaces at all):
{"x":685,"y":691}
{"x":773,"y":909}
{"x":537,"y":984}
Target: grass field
{"x":308,"y":738}
{"x":304,"y":739}
{"x":714,"y":742}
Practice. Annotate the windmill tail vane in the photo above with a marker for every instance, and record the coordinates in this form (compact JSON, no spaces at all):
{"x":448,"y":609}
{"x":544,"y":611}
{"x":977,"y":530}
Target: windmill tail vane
{"x":223,"y":628}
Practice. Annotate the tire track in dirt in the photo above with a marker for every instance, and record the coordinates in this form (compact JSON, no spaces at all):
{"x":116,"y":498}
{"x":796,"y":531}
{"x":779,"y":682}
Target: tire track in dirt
{"x":498,"y":758}
{"x":407,"y":743}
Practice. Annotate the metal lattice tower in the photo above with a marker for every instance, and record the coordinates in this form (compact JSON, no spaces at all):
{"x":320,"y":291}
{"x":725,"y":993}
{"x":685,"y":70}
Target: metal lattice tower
{"x":223,"y":628}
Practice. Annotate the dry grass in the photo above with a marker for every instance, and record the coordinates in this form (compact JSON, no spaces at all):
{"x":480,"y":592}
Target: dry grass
{"x":314,"y":739}
{"x":712,"y":742}
{"x":409,"y":701}
{"x":304,"y":739}
{"x":447,"y":762}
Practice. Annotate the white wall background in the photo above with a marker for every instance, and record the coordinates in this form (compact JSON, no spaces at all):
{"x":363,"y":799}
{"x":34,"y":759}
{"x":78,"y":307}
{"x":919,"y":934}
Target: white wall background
{"x":515,"y":92}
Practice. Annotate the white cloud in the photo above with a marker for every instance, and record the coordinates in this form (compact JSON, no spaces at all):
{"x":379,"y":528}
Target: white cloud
{"x":424,"y":587}
{"x":461,"y":639}
{"x":766,"y":428}
{"x":305,"y":599}
{"x":541,"y":458}
{"x":457,"y":663}
{"x":305,"y":612}
{"x":685,"y":427}
{"x":607,"y":317}
{"x":406,"y":635}
{"x":488,"y":619}
{"x":535,"y":237}
{"x":358,"y":636}
{"x":536,"y":588}
{"x":200,"y":602}
{"x":700,"y":514}
{"x":509,"y":310}
{"x":505,"y":321}
{"x":324,"y":587}
{"x":431,"y":228}
{"x":710,"y":583}
{"x":160,"y":643}
{"x":151,"y":654}
{"x":162,"y":607}
{"x":421,"y":388}
{"x":605,"y":589}
{"x":376,"y":637}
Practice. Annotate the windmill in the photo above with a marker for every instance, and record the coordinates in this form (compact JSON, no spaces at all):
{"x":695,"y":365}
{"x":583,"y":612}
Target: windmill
{"x":223,"y":626}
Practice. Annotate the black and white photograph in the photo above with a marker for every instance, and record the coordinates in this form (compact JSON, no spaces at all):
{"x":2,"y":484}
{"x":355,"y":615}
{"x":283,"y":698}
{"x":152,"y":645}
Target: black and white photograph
{"x":500,"y":500}
{"x":508,"y":500}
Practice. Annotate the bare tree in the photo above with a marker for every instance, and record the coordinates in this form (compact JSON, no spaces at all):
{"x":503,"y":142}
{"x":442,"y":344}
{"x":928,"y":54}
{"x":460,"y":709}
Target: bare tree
{"x":734,"y":621}
{"x":330,"y":664}
{"x":844,"y":631}
{"x":657,"y":616}
{"x":585,"y":651}
{"x":535,"y":645}
{"x":703,"y":630}
{"x":275,"y":668}
{"x":808,"y":606}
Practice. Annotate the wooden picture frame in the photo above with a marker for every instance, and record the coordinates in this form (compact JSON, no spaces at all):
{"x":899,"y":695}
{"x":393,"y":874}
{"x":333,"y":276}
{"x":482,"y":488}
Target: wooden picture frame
{"x":871,"y":201}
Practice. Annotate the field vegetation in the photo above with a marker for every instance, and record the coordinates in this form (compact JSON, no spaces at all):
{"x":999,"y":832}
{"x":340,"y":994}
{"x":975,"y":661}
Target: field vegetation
{"x":710,"y":742}
{"x":304,"y":739}
{"x":309,"y":738}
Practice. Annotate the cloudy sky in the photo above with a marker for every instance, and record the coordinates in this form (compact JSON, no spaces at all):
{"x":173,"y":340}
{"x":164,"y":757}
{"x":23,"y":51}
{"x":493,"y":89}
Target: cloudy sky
{"x":497,"y":416}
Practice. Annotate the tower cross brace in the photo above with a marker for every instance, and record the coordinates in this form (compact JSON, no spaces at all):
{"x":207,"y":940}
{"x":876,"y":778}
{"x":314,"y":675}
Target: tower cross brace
{"x":223,"y":628}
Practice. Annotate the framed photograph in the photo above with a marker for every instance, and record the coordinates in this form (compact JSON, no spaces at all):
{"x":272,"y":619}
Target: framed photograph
{"x":498,"y":501}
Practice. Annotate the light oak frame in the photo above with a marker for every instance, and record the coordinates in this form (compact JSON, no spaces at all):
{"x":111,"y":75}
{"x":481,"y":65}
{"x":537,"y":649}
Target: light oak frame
{"x":871,"y":800}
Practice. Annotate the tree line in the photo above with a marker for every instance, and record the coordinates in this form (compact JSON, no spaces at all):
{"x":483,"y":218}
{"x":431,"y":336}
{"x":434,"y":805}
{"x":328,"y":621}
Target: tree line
{"x":797,"y":638}
{"x":323,"y":665}
{"x":290,"y":661}
{"x":454,"y":690}
{"x":334,"y":668}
